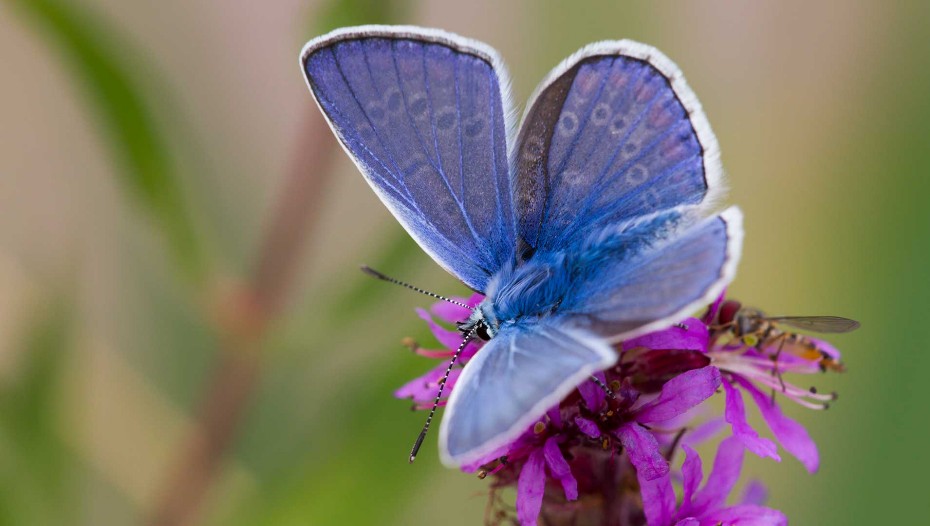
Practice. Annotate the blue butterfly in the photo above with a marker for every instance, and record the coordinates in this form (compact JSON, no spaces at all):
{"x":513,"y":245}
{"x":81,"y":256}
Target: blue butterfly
{"x":590,"y":225}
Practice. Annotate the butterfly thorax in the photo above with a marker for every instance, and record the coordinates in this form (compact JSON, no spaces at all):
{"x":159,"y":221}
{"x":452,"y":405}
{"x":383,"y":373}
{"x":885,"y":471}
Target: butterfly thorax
{"x":522,"y":292}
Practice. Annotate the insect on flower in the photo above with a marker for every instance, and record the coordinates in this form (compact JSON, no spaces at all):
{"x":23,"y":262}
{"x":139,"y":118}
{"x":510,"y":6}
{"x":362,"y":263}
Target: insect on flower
{"x":592,"y":222}
{"x":766,"y":333}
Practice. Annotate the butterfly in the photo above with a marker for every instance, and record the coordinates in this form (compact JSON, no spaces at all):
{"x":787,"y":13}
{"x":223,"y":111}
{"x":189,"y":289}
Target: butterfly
{"x":590,"y":222}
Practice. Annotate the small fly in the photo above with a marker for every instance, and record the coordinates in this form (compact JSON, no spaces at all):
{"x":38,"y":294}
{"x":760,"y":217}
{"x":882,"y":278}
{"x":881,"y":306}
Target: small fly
{"x":763,"y":333}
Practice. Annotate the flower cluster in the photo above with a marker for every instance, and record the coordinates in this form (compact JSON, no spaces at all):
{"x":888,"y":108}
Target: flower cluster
{"x":606,"y":454}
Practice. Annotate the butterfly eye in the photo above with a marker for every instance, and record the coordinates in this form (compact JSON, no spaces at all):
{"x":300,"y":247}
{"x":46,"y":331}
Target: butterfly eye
{"x":481,"y":331}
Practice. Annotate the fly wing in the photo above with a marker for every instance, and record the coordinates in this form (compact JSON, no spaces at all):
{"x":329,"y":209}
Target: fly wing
{"x":613,"y":133}
{"x":423,"y":114}
{"x":825,"y":324}
{"x":512,"y":381}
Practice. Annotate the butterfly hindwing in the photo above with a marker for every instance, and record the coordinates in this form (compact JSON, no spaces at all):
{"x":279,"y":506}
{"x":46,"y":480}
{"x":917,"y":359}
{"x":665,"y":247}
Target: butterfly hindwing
{"x":613,"y":133}
{"x":422,"y":113}
{"x":663,"y":283}
{"x":512,"y":381}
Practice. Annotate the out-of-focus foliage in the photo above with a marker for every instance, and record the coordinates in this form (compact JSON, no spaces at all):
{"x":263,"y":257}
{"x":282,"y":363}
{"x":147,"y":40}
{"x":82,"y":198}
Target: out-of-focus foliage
{"x":104,"y":63}
{"x":38,"y":471}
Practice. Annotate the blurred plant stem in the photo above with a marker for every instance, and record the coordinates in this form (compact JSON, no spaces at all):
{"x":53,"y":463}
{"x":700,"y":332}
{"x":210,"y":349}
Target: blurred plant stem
{"x":146,"y":169}
{"x":243,"y":321}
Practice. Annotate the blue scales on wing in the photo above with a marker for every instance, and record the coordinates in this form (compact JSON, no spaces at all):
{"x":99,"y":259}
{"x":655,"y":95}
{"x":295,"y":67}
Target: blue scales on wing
{"x":517,"y":376}
{"x":625,"y":279}
{"x":423,"y":118}
{"x":649,"y":289}
{"x":613,"y":134}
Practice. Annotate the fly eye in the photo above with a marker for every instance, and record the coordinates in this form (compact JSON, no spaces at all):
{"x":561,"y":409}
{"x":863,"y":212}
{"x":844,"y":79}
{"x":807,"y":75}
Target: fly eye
{"x":728,"y":311}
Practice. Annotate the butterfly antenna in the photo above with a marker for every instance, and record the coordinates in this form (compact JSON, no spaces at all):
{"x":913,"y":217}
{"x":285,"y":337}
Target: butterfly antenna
{"x":375,"y":274}
{"x":442,"y":385}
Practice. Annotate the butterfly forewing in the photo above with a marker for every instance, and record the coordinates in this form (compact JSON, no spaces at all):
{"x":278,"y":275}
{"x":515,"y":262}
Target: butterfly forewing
{"x":422,"y":115}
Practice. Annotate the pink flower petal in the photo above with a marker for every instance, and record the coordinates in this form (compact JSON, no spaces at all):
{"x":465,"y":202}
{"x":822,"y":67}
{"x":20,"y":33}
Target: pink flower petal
{"x":587,"y":427}
{"x":643,"y":451}
{"x":531,"y":485}
{"x":727,"y":466}
{"x":792,"y":435}
{"x":658,"y":500}
{"x":694,"y":337}
{"x":690,"y":521}
{"x":419,"y":388}
{"x":449,"y":312}
{"x":506,"y":449}
{"x":555,"y":416}
{"x":448,"y":338}
{"x":747,"y":515}
{"x":692,"y":475}
{"x":714,"y":308}
{"x":592,"y":394}
{"x":681,"y":394}
{"x":423,"y":389}
{"x":736,"y":415}
{"x":560,"y":469}
{"x":452,"y":313}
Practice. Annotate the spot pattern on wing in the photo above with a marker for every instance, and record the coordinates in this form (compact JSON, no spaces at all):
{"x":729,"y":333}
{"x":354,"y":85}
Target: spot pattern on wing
{"x":606,"y":141}
{"x":425,"y":121}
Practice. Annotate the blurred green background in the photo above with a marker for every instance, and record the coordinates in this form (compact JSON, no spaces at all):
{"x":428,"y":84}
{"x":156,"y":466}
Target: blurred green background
{"x":179,"y":235}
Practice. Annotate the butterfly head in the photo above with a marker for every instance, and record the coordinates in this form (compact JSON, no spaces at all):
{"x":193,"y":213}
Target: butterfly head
{"x":482,"y":322}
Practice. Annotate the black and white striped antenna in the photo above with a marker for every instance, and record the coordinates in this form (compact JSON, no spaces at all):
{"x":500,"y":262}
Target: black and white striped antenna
{"x":375,"y":274}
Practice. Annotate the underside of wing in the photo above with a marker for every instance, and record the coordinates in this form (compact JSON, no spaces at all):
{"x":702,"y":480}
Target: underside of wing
{"x":423,"y":113}
{"x":661,"y":284}
{"x":613,"y":133}
{"x":511,"y":382}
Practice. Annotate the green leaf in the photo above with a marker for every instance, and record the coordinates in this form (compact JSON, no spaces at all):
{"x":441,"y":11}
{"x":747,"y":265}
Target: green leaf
{"x":102,"y":60}
{"x":37,"y":469}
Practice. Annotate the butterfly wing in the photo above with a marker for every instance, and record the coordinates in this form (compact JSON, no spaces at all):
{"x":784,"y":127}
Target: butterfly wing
{"x":649,"y":273}
{"x":613,"y":133}
{"x":669,"y":278}
{"x":511,"y":382}
{"x":423,"y":114}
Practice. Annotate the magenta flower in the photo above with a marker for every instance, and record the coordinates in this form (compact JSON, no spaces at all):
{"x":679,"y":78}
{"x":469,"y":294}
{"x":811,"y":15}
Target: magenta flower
{"x":602,"y":455}
{"x":422,"y":390}
{"x":677,"y":396}
{"x":746,"y":367}
{"x":538,"y":452}
{"x":706,"y":505}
